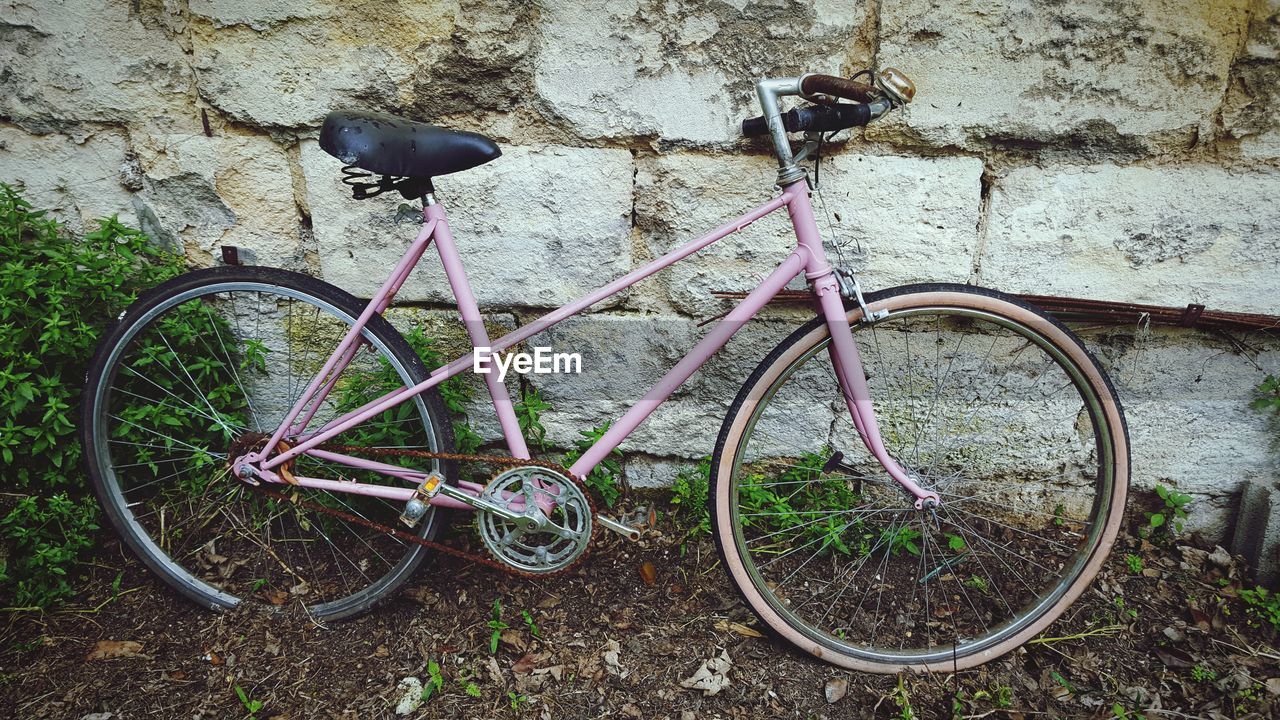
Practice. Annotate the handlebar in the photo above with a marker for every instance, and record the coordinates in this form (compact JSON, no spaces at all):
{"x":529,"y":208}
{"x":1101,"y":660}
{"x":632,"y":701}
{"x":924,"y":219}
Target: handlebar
{"x":819,"y":118}
{"x":811,"y":85}
{"x":889,"y":88}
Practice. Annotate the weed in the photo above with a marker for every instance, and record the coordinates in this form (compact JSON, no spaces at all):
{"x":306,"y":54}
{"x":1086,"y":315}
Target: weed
{"x":1134,"y":562}
{"x":1268,"y":395}
{"x":1200,"y":673}
{"x":516,"y":700}
{"x":1262,"y":606}
{"x":689,"y":498}
{"x":529,"y":414}
{"x":902,"y":700}
{"x":529,"y":623}
{"x":901,"y":539}
{"x":606,"y":477}
{"x":977,"y":583}
{"x":251,"y":706}
{"x":1170,"y":519}
{"x":435,"y":680}
{"x":469,"y":686}
{"x":496,"y":626}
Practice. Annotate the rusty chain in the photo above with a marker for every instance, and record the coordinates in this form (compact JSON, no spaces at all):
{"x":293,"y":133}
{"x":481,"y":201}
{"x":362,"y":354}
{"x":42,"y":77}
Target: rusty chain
{"x":485,"y":560}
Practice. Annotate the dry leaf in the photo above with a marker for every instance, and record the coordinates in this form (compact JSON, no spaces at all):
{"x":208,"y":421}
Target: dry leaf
{"x":524,"y":665}
{"x":109,"y":649}
{"x":1175,"y":658}
{"x":739,"y":628}
{"x":712,"y":676}
{"x":213,"y":658}
{"x":836,"y":689}
{"x":648,"y":573}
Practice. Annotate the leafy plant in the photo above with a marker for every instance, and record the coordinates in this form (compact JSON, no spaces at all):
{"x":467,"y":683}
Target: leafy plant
{"x":435,"y":680}
{"x":1134,"y":562}
{"x":794,"y":506}
{"x":689,"y":498}
{"x":1169,"y":519}
{"x":496,"y":626}
{"x":1200,"y":673}
{"x":529,"y":414}
{"x":251,"y":706}
{"x":901,"y":539}
{"x":45,"y":536}
{"x":606,"y":477}
{"x":1268,"y":395}
{"x":1263,"y":605}
{"x":516,"y":700}
{"x":529,"y":623}
{"x":58,"y":292}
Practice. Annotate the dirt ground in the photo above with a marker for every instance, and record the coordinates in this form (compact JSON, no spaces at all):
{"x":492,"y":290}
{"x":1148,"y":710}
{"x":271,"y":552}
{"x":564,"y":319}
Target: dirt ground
{"x":612,"y":640}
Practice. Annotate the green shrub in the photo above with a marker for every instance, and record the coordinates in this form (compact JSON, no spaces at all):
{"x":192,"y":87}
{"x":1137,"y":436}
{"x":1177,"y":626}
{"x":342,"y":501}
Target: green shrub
{"x":58,"y":292}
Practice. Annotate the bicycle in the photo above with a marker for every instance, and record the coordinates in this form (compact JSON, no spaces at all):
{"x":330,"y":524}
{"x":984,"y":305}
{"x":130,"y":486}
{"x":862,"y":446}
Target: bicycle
{"x":256,"y":433}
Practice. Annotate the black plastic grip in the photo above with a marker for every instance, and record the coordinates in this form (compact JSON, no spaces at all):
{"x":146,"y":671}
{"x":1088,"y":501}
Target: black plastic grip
{"x":819,"y":118}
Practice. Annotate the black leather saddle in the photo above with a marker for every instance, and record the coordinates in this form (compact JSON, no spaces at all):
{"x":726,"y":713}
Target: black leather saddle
{"x":388,"y":145}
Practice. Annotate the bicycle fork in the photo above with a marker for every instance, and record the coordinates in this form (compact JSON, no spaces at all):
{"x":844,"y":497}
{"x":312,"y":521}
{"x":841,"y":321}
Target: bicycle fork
{"x":845,"y":358}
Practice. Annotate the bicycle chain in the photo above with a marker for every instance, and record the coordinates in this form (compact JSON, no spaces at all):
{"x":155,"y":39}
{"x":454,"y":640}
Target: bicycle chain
{"x":485,"y":560}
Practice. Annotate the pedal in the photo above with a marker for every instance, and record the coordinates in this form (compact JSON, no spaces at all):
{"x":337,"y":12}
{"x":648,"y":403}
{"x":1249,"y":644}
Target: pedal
{"x":417,"y":505}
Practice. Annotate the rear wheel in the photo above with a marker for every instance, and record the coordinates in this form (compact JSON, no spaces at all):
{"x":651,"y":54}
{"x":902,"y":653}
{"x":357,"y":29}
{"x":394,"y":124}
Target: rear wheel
{"x":985,"y":400}
{"x":204,"y":368}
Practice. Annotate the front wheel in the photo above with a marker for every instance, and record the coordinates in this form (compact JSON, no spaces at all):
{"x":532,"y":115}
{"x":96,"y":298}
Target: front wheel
{"x":983,"y":399}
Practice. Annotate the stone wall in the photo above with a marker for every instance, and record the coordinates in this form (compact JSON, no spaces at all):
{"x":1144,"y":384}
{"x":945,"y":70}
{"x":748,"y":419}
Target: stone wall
{"x":1115,"y":150}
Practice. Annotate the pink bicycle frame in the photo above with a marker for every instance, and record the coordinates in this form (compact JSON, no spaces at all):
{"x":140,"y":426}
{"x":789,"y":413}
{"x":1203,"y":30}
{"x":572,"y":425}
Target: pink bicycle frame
{"x":808,"y":257}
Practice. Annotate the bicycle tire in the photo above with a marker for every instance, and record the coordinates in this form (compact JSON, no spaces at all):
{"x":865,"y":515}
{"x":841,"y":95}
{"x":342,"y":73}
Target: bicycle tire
{"x":774,"y":605}
{"x":104,"y":367}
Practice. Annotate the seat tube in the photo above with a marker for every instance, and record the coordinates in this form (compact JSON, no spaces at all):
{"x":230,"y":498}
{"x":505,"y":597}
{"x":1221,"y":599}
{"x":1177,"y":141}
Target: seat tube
{"x":471,"y":318}
{"x":845,"y":358}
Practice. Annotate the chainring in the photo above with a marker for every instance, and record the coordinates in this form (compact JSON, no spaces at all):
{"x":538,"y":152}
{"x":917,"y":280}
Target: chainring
{"x":556,"y":523}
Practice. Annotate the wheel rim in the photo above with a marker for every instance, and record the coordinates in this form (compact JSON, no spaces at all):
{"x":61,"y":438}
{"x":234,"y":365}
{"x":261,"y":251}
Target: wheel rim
{"x":895,"y":545}
{"x":259,"y":548}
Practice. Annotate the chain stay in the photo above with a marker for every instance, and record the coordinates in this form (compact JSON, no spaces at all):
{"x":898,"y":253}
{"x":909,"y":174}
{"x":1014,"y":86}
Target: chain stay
{"x":485,"y":560}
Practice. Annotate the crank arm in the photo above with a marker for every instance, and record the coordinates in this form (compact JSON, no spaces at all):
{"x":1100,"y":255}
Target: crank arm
{"x":625,"y":531}
{"x":479,"y":503}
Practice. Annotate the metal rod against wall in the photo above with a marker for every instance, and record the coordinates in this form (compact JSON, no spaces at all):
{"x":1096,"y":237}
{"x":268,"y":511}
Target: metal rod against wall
{"x":1194,"y":315}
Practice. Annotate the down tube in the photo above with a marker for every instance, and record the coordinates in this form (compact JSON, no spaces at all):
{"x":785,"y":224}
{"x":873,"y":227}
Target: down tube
{"x":700,"y":353}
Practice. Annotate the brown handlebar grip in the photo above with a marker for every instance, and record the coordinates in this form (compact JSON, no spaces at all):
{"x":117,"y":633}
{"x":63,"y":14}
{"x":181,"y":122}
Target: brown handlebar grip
{"x":837,"y":87}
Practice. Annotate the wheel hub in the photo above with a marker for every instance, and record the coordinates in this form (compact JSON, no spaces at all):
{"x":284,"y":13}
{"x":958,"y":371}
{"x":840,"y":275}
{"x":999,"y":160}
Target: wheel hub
{"x":554,"y":523}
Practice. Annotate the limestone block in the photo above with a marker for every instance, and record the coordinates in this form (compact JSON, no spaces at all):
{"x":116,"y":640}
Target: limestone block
{"x":1158,"y":235}
{"x":680,"y":71}
{"x":1125,"y":74}
{"x":648,"y":471}
{"x":230,"y":189}
{"x":915,"y":218}
{"x":71,"y":62}
{"x":291,"y":65}
{"x":623,"y":356}
{"x":258,"y":14}
{"x":1186,"y":397}
{"x":1251,"y":111}
{"x":536,"y":227}
{"x":76,"y":179}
